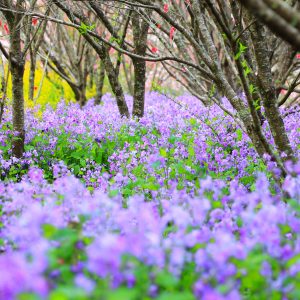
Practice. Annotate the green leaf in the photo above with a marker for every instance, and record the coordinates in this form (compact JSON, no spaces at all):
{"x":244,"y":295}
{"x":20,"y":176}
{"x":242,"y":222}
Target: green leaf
{"x":28,"y":296}
{"x":193,"y":121}
{"x":113,"y":193}
{"x":242,"y":47}
{"x":191,"y":151}
{"x":122,"y":294}
{"x":239,"y":134}
{"x":83,"y":29}
{"x":163,"y":152}
{"x":83,"y":163}
{"x":241,"y":50}
{"x":166,"y":280}
{"x":252,"y":88}
{"x":49,"y":230}
{"x":68,"y":293}
{"x":176,"y":296}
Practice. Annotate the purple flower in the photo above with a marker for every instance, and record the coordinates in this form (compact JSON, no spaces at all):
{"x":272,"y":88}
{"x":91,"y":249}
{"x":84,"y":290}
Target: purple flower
{"x":85,"y":283}
{"x":36,"y":175}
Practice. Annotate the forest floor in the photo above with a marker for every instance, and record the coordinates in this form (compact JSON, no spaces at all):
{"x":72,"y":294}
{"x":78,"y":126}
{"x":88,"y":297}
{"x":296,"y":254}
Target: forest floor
{"x":174,"y":206}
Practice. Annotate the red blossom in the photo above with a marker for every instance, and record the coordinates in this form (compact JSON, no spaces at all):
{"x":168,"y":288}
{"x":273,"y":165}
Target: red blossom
{"x":6,"y":29}
{"x":166,"y":8}
{"x":283,"y":92}
{"x":172,"y":31}
{"x":298,"y":55}
{"x":34,"y":21}
{"x":154,"y":50}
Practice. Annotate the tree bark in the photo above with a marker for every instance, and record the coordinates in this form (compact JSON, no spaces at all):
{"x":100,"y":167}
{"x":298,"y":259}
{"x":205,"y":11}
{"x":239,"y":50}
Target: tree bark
{"x":277,"y":22}
{"x":79,"y":92}
{"x":17,"y":64}
{"x":17,"y":73}
{"x":3,"y":88}
{"x":139,"y":87}
{"x":140,"y":33}
{"x":100,"y":76}
{"x":268,"y":92}
{"x":115,"y":84}
{"x":32,"y":75}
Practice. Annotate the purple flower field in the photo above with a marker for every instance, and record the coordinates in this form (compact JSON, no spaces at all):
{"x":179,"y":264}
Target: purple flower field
{"x":175,"y":206}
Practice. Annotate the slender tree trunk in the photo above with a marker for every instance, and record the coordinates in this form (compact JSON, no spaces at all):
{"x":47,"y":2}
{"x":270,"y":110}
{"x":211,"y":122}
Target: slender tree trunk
{"x":3,"y":88}
{"x":2,"y":103}
{"x":140,"y":35}
{"x":32,"y":75}
{"x":17,"y":64}
{"x":17,"y":73}
{"x":99,"y":83}
{"x":139,"y":87}
{"x":252,"y":128}
{"x":79,"y":92}
{"x":268,"y":92}
{"x":128,"y":81}
{"x":115,"y":85}
{"x":91,"y":79}
{"x":254,"y":136}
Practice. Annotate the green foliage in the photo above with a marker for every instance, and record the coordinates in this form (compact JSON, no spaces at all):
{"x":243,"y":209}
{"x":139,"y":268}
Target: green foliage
{"x":84,"y":28}
{"x":157,"y":87}
{"x":246,"y":67}
{"x":252,"y":88}
{"x":239,"y":134}
{"x":212,"y":90}
{"x":75,"y":155}
{"x":176,"y":296}
{"x":256,"y":104}
{"x":117,"y":40}
{"x":241,"y":50}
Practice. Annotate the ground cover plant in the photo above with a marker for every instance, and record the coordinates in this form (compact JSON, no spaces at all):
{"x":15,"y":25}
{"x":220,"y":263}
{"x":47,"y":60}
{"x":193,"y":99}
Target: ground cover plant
{"x":177,"y":205}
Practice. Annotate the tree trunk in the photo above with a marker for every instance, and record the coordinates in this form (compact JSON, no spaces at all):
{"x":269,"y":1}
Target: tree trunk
{"x":252,"y":128}
{"x":256,"y":140}
{"x":100,"y":76}
{"x":139,"y":87}
{"x":140,"y":34}
{"x":91,"y":79}
{"x":17,"y":64}
{"x":3,"y":88}
{"x":17,"y":72}
{"x":268,"y":92}
{"x":127,"y":71}
{"x":32,"y":75}
{"x":79,"y":94}
{"x":115,"y":85}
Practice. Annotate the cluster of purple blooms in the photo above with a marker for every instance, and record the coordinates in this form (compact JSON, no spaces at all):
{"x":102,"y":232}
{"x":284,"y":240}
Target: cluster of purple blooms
{"x":237,"y":238}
